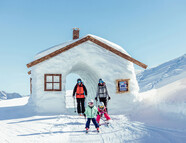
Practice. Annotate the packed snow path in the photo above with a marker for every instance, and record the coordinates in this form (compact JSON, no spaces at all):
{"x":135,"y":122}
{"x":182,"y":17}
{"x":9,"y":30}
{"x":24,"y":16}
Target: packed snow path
{"x":18,"y":124}
{"x":67,"y":129}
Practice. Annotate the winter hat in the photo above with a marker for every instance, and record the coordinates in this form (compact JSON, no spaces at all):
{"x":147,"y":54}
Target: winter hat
{"x":91,"y":103}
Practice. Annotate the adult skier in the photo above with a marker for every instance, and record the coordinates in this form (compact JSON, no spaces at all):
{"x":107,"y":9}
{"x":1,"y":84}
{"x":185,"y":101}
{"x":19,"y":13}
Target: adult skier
{"x":102,"y":93}
{"x":80,"y":91}
{"x":90,"y":113}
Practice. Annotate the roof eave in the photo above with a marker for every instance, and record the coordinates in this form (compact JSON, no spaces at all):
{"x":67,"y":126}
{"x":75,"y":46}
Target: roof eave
{"x":92,"y":39}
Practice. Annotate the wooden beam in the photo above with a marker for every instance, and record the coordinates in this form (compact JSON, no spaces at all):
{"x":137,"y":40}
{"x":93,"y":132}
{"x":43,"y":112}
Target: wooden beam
{"x":29,"y":72}
{"x":57,"y":52}
{"x":105,"y":46}
{"x":117,"y":52}
{"x":30,"y":86}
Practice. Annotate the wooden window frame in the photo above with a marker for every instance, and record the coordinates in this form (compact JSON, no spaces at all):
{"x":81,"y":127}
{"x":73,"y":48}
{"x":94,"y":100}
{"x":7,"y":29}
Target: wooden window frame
{"x":117,"y":85}
{"x":45,"y":82}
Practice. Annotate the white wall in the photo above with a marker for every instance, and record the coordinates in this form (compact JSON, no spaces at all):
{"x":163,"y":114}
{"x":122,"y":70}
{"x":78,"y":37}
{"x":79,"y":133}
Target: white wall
{"x":90,"y":62}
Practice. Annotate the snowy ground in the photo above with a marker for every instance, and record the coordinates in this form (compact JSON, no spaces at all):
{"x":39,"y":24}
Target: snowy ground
{"x":18,"y":124}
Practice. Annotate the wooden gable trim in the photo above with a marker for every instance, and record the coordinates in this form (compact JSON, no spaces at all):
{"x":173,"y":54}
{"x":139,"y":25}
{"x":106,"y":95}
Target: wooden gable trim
{"x":55,"y":53}
{"x":105,"y":46}
{"x":30,"y":86}
{"x":118,"y":52}
{"x":29,"y":72}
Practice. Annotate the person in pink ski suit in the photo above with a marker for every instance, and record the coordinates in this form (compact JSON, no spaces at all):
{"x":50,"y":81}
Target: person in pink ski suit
{"x":102,"y":111}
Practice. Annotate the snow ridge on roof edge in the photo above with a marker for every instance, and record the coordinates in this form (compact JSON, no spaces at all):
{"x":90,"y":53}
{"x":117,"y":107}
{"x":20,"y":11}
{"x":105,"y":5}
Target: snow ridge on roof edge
{"x":57,"y":47}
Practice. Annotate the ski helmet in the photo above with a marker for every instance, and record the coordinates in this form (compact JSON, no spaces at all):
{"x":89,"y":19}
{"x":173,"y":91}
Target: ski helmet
{"x":100,"y":80}
{"x":79,"y":80}
{"x":91,"y":103}
{"x":101,"y":105}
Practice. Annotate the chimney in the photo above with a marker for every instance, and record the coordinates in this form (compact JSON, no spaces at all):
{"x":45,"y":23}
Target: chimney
{"x":75,"y":33}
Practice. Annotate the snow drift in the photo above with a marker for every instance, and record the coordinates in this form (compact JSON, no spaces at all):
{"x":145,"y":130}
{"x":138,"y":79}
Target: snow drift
{"x":162,"y":101}
{"x":163,"y":107}
{"x":163,"y":74}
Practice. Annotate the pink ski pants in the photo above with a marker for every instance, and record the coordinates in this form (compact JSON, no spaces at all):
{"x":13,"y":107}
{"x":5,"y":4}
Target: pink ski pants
{"x":99,"y":116}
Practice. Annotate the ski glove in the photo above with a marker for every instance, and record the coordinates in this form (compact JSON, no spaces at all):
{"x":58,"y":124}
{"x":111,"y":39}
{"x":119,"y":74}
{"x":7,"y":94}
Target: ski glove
{"x":96,"y":98}
{"x":98,"y":113}
{"x":109,"y":98}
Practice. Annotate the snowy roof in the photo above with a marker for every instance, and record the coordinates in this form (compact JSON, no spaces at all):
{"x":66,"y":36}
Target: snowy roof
{"x":53,"y":51}
{"x":57,"y":47}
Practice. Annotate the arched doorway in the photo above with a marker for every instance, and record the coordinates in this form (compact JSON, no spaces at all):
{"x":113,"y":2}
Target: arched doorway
{"x":89,"y":78}
{"x":71,"y":80}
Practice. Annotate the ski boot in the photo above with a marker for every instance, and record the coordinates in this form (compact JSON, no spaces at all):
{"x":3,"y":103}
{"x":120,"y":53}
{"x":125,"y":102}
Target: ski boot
{"x":86,"y":130}
{"x":98,"y":130}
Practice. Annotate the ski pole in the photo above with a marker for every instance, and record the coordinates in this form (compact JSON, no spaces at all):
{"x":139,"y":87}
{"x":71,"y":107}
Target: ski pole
{"x":85,"y":103}
{"x":85,"y":118}
{"x":74,"y":105}
{"x":107,"y":105}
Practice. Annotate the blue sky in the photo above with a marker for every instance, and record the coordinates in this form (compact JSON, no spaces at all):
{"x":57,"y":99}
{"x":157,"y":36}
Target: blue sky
{"x":152,"y":31}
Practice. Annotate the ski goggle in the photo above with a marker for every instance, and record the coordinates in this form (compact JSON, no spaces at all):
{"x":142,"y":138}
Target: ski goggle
{"x":101,"y":107}
{"x":79,"y":81}
{"x":100,"y":81}
{"x":91,"y":103}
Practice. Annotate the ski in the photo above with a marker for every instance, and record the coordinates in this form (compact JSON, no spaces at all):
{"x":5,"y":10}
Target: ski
{"x":105,"y":123}
{"x":98,"y":131}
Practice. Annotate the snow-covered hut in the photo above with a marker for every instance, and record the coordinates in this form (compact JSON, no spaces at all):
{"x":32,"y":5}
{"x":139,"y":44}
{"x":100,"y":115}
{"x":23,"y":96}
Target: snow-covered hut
{"x":90,"y":57}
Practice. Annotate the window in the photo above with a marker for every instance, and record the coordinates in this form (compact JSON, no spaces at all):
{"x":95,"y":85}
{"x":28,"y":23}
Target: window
{"x":52,"y":82}
{"x":122,"y":85}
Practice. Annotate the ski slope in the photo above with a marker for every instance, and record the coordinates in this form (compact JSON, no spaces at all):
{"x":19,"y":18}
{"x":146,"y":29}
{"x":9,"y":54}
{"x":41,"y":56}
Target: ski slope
{"x":168,"y":72}
{"x":19,"y":124}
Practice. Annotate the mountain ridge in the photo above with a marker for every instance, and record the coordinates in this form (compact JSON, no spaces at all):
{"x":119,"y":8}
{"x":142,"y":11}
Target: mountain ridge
{"x":4,"y":95}
{"x":163,"y":74}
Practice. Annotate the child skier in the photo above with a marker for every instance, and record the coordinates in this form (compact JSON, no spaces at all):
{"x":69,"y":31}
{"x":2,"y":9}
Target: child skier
{"x":90,"y":113}
{"x":101,"y":111}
